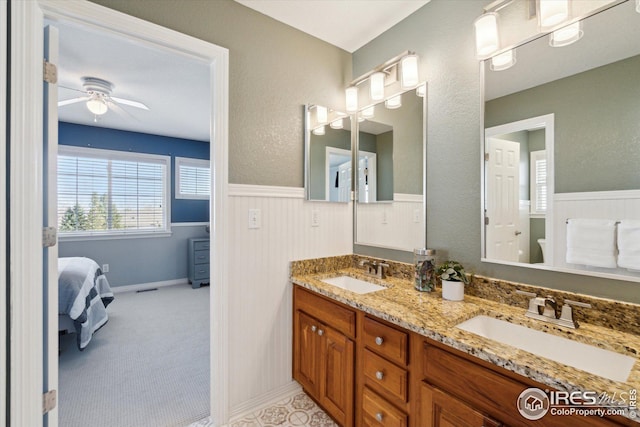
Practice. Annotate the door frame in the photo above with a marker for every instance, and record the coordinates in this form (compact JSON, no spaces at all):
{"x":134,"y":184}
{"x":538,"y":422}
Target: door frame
{"x":3,"y":210}
{"x":26,"y":148}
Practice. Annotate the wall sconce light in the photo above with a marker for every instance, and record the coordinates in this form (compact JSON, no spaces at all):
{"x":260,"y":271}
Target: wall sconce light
{"x":487,"y":40}
{"x":409,"y":68}
{"x":552,"y":12}
{"x":368,"y":113}
{"x":393,"y":102}
{"x":503,"y":61}
{"x":566,"y":35}
{"x":398,"y":72}
{"x":421,"y":90}
{"x":318,"y":131}
{"x":337,"y":124}
{"x":97,"y":105}
{"x":352,"y":99}
{"x":376,"y":86}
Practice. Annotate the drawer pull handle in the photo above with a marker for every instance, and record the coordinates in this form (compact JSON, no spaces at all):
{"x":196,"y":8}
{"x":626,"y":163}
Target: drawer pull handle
{"x":314,"y":328}
{"x":379,"y":375}
{"x":320,"y":332}
{"x":379,"y":417}
{"x":200,"y":271}
{"x":379,"y":340}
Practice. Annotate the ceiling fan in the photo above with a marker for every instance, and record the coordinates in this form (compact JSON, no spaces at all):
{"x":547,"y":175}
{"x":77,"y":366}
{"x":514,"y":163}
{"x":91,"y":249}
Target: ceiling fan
{"x":98,"y":97}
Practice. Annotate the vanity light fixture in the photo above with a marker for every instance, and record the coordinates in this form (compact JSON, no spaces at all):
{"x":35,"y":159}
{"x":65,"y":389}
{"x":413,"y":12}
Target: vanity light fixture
{"x":318,"y":131}
{"x":409,"y":72}
{"x":487,"y":39}
{"x":321,"y":114}
{"x":97,"y":105}
{"x":503,"y":61}
{"x":368,"y":112}
{"x":393,"y":102}
{"x":337,"y":124}
{"x":421,"y":90}
{"x":552,"y":12}
{"x":566,"y":35}
{"x":638,"y":6}
{"x":360,"y":118}
{"x":376,"y":86}
{"x":351,"y":95}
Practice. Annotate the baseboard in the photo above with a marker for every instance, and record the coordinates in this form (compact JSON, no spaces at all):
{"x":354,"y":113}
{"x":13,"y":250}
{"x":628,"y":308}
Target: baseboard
{"x":150,"y":285}
{"x":264,"y":401}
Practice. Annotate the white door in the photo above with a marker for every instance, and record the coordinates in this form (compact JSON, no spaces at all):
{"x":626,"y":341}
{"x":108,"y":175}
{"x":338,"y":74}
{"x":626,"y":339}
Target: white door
{"x":50,"y":219}
{"x":503,"y":186}
{"x":367,"y":177}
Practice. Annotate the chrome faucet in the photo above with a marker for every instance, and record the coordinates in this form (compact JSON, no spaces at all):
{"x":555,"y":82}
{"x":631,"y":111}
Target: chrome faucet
{"x":374,"y":268}
{"x":545,"y":309}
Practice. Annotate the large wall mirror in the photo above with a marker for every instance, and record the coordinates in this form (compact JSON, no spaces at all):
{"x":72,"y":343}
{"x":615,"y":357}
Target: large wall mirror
{"x":562,"y":152}
{"x":390,"y":173}
{"x":327,"y":154}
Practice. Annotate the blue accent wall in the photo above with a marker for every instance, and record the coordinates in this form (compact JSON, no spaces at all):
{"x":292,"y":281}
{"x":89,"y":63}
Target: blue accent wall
{"x":111,"y":139}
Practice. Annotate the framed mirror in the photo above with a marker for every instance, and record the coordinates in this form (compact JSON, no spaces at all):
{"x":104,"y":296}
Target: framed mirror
{"x":390,"y":176}
{"x":328,"y":155}
{"x":562,"y":145}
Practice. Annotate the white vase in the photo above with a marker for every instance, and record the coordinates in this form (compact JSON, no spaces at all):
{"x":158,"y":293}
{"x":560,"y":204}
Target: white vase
{"x":452,"y":291}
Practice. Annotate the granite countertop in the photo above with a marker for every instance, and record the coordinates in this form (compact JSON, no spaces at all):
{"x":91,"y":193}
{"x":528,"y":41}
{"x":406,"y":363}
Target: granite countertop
{"x":429,"y":315}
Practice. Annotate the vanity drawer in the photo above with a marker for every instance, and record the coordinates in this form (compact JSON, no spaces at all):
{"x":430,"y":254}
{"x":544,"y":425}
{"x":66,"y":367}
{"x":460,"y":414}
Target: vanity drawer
{"x":378,"y":412}
{"x":384,"y":376}
{"x":201,"y":257}
{"x":386,"y":341}
{"x":332,"y":314}
{"x":201,"y":246}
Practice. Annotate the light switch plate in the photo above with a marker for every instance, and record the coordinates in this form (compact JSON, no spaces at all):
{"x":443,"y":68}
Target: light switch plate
{"x":315,"y":218}
{"x":255,"y":220}
{"x":416,"y":215}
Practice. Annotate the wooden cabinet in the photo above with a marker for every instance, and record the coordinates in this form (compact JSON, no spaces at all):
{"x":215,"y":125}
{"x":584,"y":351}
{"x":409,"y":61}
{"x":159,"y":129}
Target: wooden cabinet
{"x":439,"y":409}
{"x":323,"y":353}
{"x":198,"y":258}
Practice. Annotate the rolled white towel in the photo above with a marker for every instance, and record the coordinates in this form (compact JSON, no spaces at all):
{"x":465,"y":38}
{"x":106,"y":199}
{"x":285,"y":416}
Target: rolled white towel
{"x":591,"y":242}
{"x":629,"y":244}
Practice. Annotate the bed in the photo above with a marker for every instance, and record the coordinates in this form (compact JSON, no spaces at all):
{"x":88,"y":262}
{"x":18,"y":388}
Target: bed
{"x":83,"y":296}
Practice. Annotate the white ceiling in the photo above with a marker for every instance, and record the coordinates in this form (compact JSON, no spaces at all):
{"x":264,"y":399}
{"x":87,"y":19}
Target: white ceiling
{"x":173,"y":86}
{"x":348,"y":24}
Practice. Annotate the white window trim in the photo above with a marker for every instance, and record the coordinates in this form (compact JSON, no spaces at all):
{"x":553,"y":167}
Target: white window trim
{"x":189,"y":161}
{"x":164,"y":231}
{"x":533,"y":157}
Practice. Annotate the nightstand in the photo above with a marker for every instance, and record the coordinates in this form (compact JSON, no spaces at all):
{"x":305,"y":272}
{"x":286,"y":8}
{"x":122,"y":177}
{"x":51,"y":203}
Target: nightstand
{"x":198,"y":261}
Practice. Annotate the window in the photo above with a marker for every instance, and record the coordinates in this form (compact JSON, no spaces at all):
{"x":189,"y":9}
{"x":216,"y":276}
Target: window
{"x":107,"y":193}
{"x":538,"y":182}
{"x":193,"y":178}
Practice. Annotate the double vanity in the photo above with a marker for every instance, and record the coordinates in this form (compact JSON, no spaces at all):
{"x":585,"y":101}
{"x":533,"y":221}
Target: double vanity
{"x":375,"y":352}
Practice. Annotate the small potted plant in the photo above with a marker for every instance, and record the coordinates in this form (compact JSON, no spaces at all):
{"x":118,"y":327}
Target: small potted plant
{"x":453,"y":280}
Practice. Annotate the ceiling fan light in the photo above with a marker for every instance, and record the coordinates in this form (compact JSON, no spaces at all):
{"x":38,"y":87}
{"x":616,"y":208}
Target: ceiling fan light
{"x":409,"y":68}
{"x":97,"y":106}
{"x":376,"y":86}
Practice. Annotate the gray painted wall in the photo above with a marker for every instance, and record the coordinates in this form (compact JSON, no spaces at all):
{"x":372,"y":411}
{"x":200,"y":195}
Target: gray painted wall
{"x":274,"y":69}
{"x":442,"y":35}
{"x":597,"y":131}
{"x":385,"y":169}
{"x":136,"y":261}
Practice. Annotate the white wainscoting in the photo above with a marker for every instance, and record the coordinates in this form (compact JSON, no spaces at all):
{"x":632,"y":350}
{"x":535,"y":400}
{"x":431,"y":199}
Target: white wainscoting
{"x":613,"y":205}
{"x":260,"y":299}
{"x":394,"y":224}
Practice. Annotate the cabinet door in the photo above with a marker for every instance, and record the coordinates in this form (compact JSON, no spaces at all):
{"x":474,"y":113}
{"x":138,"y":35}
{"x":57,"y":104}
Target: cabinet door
{"x":337,"y":375}
{"x":307,"y":353}
{"x":439,"y":409}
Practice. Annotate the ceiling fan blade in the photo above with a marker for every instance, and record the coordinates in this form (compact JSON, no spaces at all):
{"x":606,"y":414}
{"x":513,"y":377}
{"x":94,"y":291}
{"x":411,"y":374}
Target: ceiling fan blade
{"x":72,"y":101}
{"x":120,"y":111}
{"x":74,"y":89}
{"x":130,"y":103}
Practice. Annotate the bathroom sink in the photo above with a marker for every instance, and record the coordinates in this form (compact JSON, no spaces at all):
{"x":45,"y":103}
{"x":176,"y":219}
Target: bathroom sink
{"x":597,"y":361}
{"x":353,"y":285}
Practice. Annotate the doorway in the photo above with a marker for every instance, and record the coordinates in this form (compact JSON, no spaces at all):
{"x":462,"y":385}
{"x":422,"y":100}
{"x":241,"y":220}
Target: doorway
{"x":26,"y":143}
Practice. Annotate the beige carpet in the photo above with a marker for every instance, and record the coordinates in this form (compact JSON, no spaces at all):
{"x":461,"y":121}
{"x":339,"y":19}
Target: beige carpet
{"x":148,"y":366}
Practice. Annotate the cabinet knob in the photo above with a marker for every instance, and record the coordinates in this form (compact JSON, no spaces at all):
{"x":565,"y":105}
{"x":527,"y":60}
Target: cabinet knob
{"x":379,"y":375}
{"x":320,"y":332}
{"x":314,"y":328}
{"x":379,"y":417}
{"x":379,"y":340}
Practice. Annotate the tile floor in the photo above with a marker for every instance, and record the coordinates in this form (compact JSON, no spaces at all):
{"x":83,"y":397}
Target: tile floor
{"x":297,"y":410}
